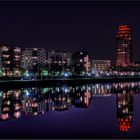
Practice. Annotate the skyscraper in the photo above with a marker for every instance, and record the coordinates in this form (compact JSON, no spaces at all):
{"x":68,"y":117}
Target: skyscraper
{"x":124,"y":46}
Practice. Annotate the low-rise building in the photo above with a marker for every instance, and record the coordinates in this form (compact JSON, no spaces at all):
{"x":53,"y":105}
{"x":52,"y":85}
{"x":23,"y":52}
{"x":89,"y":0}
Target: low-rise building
{"x":101,"y":65}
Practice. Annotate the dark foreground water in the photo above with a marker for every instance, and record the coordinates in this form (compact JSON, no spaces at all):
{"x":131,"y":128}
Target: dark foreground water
{"x":86,"y":111}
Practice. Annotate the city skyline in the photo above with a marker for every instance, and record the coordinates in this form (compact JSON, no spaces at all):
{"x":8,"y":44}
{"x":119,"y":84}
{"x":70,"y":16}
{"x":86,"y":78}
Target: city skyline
{"x":69,"y":69}
{"x":124,"y":39}
{"x":70,"y":26}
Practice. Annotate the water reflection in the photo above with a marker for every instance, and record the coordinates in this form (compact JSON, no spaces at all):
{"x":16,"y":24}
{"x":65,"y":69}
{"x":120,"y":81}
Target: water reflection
{"x":125,"y":106}
{"x":35,"y":101}
{"x":10,"y":104}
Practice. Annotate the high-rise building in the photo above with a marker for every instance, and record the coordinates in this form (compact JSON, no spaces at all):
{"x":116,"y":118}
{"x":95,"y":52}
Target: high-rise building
{"x":33,"y":59}
{"x":59,"y":61}
{"x":124,"y":46}
{"x":10,"y":60}
{"x":100,"y":65}
{"x":81,"y":63}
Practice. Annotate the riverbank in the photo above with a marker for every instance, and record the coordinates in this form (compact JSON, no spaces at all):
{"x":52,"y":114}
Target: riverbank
{"x":59,"y":82}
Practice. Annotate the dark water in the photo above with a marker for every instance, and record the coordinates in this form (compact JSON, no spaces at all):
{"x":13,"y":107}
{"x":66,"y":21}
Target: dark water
{"x":86,"y":111}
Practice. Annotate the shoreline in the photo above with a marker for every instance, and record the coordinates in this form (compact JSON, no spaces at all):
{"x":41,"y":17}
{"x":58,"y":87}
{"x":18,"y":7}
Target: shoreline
{"x":58,"y":82}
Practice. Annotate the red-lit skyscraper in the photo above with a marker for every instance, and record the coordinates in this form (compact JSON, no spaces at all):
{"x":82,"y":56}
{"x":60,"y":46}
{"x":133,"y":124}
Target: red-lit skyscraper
{"x":124,"y":46}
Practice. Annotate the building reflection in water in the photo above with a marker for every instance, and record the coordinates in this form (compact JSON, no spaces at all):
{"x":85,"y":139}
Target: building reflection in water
{"x":10,"y":106}
{"x":81,"y":96}
{"x":35,"y":101}
{"x":102,"y":90}
{"x":60,"y":99}
{"x":125,"y":106}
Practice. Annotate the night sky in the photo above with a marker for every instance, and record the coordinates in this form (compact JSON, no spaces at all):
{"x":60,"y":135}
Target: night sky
{"x":70,"y":26}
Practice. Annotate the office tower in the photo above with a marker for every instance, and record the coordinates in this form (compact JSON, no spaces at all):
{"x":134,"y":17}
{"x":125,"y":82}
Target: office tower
{"x":81,"y":63}
{"x":124,"y":46}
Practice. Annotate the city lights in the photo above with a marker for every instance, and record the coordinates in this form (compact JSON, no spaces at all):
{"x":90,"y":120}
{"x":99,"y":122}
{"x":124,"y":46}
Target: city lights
{"x":70,"y":69}
{"x":37,"y":63}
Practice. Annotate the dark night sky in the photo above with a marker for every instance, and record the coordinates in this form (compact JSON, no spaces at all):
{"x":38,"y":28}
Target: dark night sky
{"x":72,"y":26}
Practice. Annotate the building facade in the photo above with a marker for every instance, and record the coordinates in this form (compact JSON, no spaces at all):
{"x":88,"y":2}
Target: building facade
{"x":100,"y":65}
{"x":124,"y":46}
{"x":59,"y":62}
{"x":10,"y":58}
{"x":81,"y":63}
{"x":34,"y":59}
{"x":15,"y":61}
